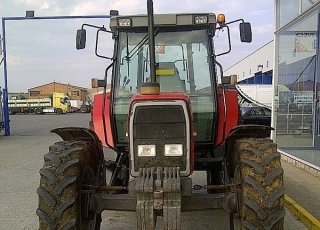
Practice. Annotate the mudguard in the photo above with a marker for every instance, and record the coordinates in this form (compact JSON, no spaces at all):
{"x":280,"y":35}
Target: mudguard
{"x":81,"y":134}
{"x":76,"y":133}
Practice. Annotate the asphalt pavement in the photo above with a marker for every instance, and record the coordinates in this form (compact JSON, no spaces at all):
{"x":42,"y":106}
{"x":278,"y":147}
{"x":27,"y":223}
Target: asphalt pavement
{"x":21,"y":157}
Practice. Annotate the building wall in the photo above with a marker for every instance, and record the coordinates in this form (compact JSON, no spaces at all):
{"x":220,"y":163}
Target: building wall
{"x":259,"y":61}
{"x":254,"y":76}
{"x":74,"y":92}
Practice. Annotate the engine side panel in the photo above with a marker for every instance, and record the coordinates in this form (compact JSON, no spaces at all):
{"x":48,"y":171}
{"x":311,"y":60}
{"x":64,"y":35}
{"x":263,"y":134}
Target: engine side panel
{"x":229,"y":113}
{"x":97,"y":120}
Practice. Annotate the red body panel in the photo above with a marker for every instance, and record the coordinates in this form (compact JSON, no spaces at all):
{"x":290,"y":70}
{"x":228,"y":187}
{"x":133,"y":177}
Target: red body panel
{"x":231,"y":115}
{"x":97,"y":119}
{"x":172,"y":96}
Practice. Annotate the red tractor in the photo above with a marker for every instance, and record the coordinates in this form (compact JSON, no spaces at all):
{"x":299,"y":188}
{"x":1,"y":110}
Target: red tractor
{"x":165,"y":117}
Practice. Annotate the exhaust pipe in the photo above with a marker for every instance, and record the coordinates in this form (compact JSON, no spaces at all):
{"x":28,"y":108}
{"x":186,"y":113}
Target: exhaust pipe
{"x":151,"y":40}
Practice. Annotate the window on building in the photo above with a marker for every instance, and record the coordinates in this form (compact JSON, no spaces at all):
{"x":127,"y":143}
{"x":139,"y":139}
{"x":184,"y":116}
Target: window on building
{"x":296,"y":83}
{"x":34,"y":93}
{"x":75,"y":93}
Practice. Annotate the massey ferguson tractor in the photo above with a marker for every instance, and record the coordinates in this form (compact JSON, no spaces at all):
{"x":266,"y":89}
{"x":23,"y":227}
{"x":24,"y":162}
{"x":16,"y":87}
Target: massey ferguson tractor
{"x":169,"y":112}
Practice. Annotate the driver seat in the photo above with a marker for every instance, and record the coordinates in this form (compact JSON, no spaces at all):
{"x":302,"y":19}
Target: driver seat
{"x":167,"y":76}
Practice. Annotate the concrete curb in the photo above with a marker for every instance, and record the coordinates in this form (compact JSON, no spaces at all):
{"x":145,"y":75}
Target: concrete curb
{"x":305,"y":217}
{"x":301,"y":164}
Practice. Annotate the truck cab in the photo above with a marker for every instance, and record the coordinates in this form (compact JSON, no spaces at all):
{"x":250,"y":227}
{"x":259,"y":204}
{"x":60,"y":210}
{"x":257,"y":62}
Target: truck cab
{"x":61,"y":102}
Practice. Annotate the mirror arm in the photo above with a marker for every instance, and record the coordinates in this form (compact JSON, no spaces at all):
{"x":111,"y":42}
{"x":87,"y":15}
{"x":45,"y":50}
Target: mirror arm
{"x":224,"y":24}
{"x":97,"y":27}
{"x":97,"y":39}
{"x":229,"y":41}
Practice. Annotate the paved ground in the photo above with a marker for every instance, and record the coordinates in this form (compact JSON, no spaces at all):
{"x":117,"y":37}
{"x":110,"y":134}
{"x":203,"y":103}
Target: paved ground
{"x":303,"y":188}
{"x":22,"y":156}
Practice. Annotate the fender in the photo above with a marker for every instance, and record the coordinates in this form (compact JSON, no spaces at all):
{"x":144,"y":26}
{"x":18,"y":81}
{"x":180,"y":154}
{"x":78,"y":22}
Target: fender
{"x":249,"y":131}
{"x":81,"y":134}
{"x":76,"y":133}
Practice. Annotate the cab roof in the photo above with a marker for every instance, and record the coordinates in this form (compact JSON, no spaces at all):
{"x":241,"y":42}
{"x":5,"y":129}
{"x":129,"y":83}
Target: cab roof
{"x":182,"y":19}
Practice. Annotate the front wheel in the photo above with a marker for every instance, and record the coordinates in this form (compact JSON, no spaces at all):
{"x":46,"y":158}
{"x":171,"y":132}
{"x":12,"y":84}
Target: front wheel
{"x":68,"y":166}
{"x":260,"y":192}
{"x":59,"y":111}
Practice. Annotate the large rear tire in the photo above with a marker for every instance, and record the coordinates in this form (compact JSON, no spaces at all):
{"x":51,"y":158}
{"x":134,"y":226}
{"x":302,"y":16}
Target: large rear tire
{"x":260,"y":176}
{"x":67,"y":167}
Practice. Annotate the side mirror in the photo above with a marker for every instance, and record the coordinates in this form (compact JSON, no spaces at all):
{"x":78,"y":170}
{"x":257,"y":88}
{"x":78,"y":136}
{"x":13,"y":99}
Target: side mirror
{"x":81,"y":39}
{"x":245,"y":32}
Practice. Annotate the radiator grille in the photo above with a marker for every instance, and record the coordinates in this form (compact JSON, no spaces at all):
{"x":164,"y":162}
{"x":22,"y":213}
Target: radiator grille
{"x":160,"y":124}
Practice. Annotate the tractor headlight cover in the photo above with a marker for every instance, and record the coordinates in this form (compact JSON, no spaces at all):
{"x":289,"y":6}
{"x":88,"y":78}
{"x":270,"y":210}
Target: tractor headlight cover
{"x":124,"y":22}
{"x":203,"y":19}
{"x":173,"y":150}
{"x":146,"y":150}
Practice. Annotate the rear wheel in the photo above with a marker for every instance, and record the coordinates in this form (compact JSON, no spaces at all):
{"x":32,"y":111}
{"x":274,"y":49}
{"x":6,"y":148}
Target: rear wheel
{"x":38,"y":111}
{"x":11,"y":112}
{"x":68,"y":166}
{"x":261,"y":189}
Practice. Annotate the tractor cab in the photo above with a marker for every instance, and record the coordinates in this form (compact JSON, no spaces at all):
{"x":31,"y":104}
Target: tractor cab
{"x":183,"y":61}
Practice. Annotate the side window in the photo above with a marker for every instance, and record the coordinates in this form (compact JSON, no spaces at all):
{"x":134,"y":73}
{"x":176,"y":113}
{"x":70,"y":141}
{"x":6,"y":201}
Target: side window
{"x":259,"y":112}
{"x":62,"y":100}
{"x":253,"y":112}
{"x":256,"y":112}
{"x":267,"y":112}
{"x":128,"y":74}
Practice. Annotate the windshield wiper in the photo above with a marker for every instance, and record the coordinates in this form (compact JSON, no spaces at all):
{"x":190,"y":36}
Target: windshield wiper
{"x":139,"y":46}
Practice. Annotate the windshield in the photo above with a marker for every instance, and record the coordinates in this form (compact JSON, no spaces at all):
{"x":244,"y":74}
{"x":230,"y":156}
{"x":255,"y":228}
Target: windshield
{"x":182,"y":65}
{"x":181,"y":58}
{"x":65,"y":100}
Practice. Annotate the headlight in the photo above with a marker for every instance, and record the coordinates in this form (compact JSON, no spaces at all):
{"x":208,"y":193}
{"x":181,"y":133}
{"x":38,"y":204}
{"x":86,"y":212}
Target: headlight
{"x":146,"y":150}
{"x":200,"y":19}
{"x":173,"y":150}
{"x":124,"y":22}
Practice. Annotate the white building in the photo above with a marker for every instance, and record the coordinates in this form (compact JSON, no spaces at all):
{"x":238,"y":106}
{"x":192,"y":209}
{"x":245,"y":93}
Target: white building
{"x":254,"y":76}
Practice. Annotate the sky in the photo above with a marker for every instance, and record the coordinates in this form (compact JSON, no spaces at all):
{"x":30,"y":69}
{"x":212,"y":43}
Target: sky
{"x":43,"y":51}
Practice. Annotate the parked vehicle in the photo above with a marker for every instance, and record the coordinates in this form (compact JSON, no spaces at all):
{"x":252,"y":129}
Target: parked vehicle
{"x":165,"y":117}
{"x":256,"y":115}
{"x":75,"y":105}
{"x":57,"y":103}
{"x":85,"y":107}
